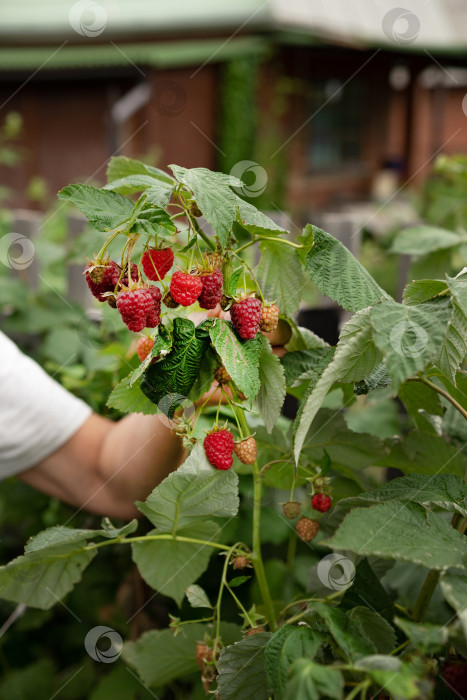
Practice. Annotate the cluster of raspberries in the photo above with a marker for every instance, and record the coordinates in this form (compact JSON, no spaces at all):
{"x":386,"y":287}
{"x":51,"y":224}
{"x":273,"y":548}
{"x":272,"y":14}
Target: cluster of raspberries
{"x":219,"y":446}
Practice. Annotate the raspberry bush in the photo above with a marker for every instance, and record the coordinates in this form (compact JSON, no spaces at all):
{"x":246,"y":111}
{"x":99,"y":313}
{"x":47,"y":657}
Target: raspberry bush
{"x":291,"y":569}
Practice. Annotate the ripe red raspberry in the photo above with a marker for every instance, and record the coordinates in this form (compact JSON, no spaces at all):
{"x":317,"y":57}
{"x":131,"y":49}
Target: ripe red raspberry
{"x":321,"y":502}
{"x":185,"y":288}
{"x":157,"y":262}
{"x":454,"y":673}
{"x":222,"y":376}
{"x":246,"y":450}
{"x":246,"y":315}
{"x":219,"y":447}
{"x":154,"y":318}
{"x":269,"y":318}
{"x":138,"y":308}
{"x":291,"y":509}
{"x":307,"y":529}
{"x":102,"y":278}
{"x":144,"y":347}
{"x":212,"y":290}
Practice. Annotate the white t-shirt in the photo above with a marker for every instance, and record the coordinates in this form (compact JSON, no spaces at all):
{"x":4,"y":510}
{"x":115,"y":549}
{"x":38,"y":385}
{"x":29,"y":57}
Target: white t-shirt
{"x":37,"y":415}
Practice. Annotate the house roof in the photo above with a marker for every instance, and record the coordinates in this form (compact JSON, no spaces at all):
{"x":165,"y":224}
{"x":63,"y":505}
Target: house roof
{"x":437,"y":25}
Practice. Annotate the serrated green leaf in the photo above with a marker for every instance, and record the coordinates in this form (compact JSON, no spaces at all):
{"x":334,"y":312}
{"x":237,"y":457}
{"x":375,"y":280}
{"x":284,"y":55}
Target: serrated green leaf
{"x":242,"y":672}
{"x":374,"y":628}
{"x":161,"y":657}
{"x":300,"y":365}
{"x":122,"y":166}
{"x":170,"y":566}
{"x":280,"y":275}
{"x":313,"y":681}
{"x":197,"y":597}
{"x":255,"y":221}
{"x":105,"y":210}
{"x":421,"y":240}
{"x":366,"y":589}
{"x":192,"y":493}
{"x":418,"y":397}
{"x":175,"y":374}
{"x":422,"y":452}
{"x":392,"y":675}
{"x":240,"y":357}
{"x":127,"y":397}
{"x":454,"y":347}
{"x":60,"y":537}
{"x":408,"y":336}
{"x":162,"y":346}
{"x":440,"y":491}
{"x":230,"y":286}
{"x":377,"y":379}
{"x":213,"y":196}
{"x":454,"y":587}
{"x":286,"y":645}
{"x":365,"y":356}
{"x":304,"y":339}
{"x":238,"y":581}
{"x":419,"y":291}
{"x":427,"y":638}
{"x":401,"y":531}
{"x":337,"y":274}
{"x":272,"y":392}
{"x":153,"y":220}
{"x":345,"y":632}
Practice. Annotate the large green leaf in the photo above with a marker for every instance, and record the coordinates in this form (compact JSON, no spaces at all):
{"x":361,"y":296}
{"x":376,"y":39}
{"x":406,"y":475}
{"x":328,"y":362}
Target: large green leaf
{"x":213,"y":196}
{"x":280,"y":275}
{"x":272,"y":392}
{"x":392,"y":675}
{"x":105,"y":210}
{"x":374,"y":628}
{"x":174,"y":375}
{"x":365,"y":355}
{"x":419,"y":399}
{"x":408,"y":336}
{"x":313,"y":681}
{"x":420,"y":240}
{"x":240,"y":357}
{"x":122,"y":166}
{"x":162,"y":346}
{"x":346,"y":632}
{"x":403,"y":531}
{"x":419,"y":291}
{"x":255,"y":221}
{"x":154,"y":220}
{"x":427,"y":638}
{"x":366,"y":589}
{"x":425,"y":453}
{"x":286,"y":645}
{"x":170,"y":566}
{"x":445,"y":491}
{"x":300,"y":365}
{"x":454,"y":347}
{"x":127,"y":397}
{"x":337,"y":274}
{"x":454,"y":587}
{"x":192,"y":493}
{"x":242,"y":672}
{"x":161,"y":657}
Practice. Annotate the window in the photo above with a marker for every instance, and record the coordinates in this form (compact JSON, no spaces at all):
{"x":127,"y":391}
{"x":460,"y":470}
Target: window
{"x":336,"y":129}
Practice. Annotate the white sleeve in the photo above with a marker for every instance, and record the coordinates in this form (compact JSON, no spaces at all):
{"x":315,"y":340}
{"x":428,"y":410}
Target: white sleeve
{"x":37,"y":415}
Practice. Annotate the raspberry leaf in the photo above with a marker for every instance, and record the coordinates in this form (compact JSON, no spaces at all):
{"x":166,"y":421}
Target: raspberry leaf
{"x":177,"y":372}
{"x":280,"y":275}
{"x":105,"y":210}
{"x":421,"y":240}
{"x":401,"y":531}
{"x":454,"y":346}
{"x":242,"y":672}
{"x":286,"y":645}
{"x":313,"y":681}
{"x":254,"y":221}
{"x":271,"y":395}
{"x":338,"y":275}
{"x":239,"y":357}
{"x":192,"y":493}
{"x":213,"y":196}
{"x":153,"y":220}
{"x":122,"y":167}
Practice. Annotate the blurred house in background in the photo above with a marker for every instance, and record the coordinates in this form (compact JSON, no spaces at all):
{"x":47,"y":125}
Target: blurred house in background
{"x":335,"y":100}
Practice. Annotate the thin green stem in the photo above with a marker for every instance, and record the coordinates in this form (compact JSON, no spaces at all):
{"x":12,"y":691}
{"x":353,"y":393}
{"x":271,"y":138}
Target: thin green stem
{"x":441,"y":392}
{"x":245,"y":246}
{"x":252,"y":277}
{"x":244,"y":611}
{"x":358,"y":689}
{"x":424,"y":597}
{"x":280,"y":240}
{"x":256,"y":557}
{"x":200,"y":232}
{"x":219,"y":598}
{"x":107,"y":242}
{"x":162,"y":536}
